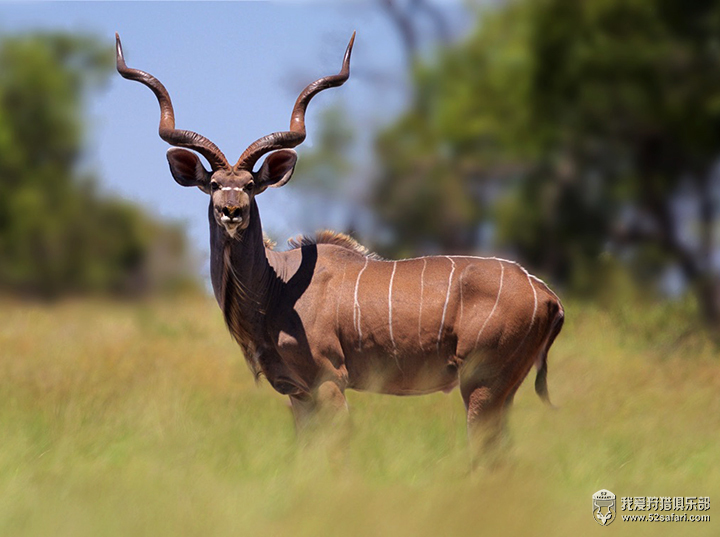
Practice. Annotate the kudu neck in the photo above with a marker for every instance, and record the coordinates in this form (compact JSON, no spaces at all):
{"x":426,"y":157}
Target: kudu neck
{"x":242,"y":257}
{"x":244,"y":282}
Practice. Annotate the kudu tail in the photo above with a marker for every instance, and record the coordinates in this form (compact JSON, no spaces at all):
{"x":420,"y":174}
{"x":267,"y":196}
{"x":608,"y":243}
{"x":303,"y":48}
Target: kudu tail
{"x":541,"y":379}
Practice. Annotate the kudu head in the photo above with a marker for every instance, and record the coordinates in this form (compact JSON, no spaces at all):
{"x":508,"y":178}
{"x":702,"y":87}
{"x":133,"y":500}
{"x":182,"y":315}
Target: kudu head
{"x":232,"y":188}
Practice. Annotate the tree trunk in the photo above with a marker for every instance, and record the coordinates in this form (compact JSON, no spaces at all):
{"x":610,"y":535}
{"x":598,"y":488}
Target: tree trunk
{"x":708,"y":281}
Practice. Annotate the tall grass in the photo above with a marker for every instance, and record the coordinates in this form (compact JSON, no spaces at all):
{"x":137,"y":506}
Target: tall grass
{"x":126,"y":419}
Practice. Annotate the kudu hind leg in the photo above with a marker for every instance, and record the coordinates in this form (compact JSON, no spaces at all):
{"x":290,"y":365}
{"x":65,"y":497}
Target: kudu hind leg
{"x":485,"y":415}
{"x":488,"y":394}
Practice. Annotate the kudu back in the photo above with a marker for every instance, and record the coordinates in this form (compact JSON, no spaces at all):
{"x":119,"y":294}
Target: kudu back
{"x":327,"y":315}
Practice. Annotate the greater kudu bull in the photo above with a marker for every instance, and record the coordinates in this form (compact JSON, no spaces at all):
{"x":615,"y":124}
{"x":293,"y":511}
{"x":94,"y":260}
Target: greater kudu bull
{"x":327,"y":315}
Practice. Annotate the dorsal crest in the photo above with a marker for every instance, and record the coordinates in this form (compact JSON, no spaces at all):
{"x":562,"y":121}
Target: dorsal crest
{"x":327,"y":236}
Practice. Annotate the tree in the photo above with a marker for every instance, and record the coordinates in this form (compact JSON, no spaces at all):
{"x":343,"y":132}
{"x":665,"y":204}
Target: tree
{"x":583,"y":121}
{"x":57,"y":235}
{"x":328,"y":164}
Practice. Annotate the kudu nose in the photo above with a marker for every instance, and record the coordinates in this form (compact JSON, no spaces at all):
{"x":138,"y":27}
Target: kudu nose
{"x":231,"y":212}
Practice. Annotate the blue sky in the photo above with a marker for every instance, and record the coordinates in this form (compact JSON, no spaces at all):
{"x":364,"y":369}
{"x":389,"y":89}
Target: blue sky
{"x":233,"y":70}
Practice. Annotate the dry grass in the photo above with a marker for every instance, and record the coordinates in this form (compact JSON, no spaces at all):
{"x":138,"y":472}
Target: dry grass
{"x":126,"y":419}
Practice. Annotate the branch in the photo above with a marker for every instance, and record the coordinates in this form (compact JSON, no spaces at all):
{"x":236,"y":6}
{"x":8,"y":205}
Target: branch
{"x":404,"y":24}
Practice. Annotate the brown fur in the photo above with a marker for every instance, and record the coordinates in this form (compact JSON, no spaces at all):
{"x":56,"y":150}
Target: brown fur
{"x":328,"y":314}
{"x":327,"y":236}
{"x":234,"y":296}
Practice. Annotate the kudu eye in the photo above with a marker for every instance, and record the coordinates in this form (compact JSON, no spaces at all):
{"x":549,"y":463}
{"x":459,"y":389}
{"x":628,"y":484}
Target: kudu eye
{"x":214,"y":185}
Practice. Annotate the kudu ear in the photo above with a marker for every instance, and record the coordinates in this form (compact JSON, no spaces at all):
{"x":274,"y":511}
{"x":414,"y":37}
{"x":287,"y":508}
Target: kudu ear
{"x":187,"y":170}
{"x":277,"y":169}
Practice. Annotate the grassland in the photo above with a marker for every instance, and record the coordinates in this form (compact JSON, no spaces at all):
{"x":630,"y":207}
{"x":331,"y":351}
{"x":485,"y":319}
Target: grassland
{"x":127,"y":419}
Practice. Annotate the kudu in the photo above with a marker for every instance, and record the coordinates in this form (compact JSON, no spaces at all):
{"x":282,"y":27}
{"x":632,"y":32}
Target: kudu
{"x":327,"y":315}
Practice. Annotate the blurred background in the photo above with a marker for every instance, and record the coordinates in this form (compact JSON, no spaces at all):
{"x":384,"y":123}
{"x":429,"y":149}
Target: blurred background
{"x":578,"y":138}
{"x":581,"y":140}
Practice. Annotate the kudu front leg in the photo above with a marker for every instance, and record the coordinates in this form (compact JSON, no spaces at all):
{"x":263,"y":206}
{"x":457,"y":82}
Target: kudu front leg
{"x":325,"y":407}
{"x":323,"y":426}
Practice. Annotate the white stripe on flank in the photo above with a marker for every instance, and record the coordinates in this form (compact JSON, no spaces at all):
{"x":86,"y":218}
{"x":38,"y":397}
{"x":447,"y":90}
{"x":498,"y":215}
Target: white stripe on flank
{"x":392,"y":337}
{"x":497,"y":300}
{"x":462,"y":300}
{"x":477,"y":257}
{"x":532,"y":320}
{"x":356,"y":306}
{"x":422,"y":288}
{"x":530,"y":279}
{"x":447,"y":299}
{"x":337,"y":306}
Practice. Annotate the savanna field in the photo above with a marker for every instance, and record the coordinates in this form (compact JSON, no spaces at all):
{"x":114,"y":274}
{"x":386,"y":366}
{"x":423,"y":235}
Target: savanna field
{"x":143,"y":419}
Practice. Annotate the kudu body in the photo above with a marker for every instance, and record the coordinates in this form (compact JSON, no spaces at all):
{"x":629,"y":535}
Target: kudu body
{"x":327,"y":315}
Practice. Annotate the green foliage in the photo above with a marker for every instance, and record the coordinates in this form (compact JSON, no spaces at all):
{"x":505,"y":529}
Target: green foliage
{"x":329,"y":162}
{"x":436,"y":160}
{"x":57,"y":235}
{"x":127,"y":419}
{"x":554,"y":121}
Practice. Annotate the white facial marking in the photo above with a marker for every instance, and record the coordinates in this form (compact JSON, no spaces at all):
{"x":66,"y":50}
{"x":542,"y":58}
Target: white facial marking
{"x":356,"y":306}
{"x":231,"y":224}
{"x":447,"y":298}
{"x":497,"y":299}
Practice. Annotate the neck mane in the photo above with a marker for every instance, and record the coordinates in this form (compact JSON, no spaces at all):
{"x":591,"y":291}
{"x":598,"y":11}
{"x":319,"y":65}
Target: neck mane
{"x":243,"y":281}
